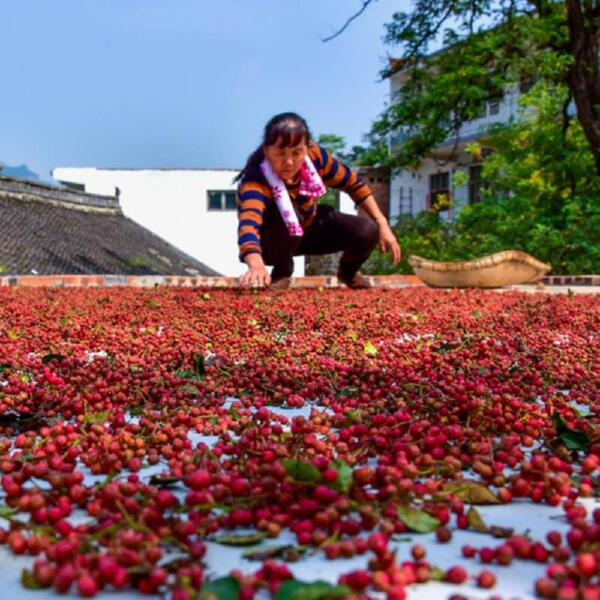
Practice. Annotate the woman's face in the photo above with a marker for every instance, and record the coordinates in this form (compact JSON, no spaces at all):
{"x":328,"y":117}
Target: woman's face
{"x":286,"y":162}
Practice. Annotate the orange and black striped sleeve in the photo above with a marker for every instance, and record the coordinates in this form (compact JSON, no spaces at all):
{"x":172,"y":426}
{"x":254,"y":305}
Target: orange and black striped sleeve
{"x":336,"y":174}
{"x":252,"y":198}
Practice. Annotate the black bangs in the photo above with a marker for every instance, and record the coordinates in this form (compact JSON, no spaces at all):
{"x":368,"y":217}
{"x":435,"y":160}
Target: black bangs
{"x":286,"y":130}
{"x":286,"y":134}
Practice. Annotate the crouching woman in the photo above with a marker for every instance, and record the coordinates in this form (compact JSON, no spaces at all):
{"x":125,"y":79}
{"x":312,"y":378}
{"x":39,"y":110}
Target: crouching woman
{"x":280,"y":216}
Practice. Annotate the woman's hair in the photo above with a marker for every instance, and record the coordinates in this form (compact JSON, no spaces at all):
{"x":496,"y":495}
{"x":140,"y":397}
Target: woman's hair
{"x":286,"y":130}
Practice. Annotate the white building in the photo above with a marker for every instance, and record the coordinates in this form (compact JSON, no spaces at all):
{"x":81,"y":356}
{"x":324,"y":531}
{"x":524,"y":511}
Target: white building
{"x":193,"y":209}
{"x":412,"y":191}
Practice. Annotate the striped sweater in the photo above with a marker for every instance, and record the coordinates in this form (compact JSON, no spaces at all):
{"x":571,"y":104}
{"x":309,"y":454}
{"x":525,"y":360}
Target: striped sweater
{"x":253,"y":196}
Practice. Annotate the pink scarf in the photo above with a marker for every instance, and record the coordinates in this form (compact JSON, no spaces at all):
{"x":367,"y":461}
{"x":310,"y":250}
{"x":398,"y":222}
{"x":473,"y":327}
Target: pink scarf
{"x":311,"y":186}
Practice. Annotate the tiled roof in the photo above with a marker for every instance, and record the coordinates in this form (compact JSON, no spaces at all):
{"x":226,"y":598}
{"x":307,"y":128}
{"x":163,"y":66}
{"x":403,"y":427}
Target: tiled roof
{"x":48,"y":230}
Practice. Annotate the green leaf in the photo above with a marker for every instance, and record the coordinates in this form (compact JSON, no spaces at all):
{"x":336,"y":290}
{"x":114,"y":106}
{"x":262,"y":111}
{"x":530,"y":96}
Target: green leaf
{"x":343,"y":483}
{"x":417,"y":520}
{"x":189,"y":375}
{"x":244,"y":539}
{"x":29,"y":581}
{"x":471,"y":492}
{"x":354,"y":415}
{"x":369,"y":349}
{"x":5,"y":367}
{"x":188,"y":388}
{"x":292,"y":589}
{"x":199,"y":363}
{"x":50,"y":357}
{"x":136,"y":411}
{"x":301,"y":471}
{"x":96,"y":417}
{"x":224,"y":588}
{"x":573,"y":439}
{"x":7,"y":511}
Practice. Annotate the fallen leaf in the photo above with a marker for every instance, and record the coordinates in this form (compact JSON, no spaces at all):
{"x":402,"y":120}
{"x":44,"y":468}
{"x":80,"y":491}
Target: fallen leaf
{"x":501,"y":532}
{"x":417,"y":520}
{"x":301,"y":471}
{"x":241,"y":539}
{"x":369,"y":349}
{"x":476,"y":522}
{"x":471,"y":492}
{"x":225,"y":588}
{"x":29,"y":581}
{"x":292,"y":589}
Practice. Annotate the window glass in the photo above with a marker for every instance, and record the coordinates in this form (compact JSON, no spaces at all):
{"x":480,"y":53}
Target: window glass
{"x":214,"y":201}
{"x":230,"y":202}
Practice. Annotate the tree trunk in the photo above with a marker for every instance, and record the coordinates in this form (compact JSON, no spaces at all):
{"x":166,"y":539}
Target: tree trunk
{"x":583,"y":74}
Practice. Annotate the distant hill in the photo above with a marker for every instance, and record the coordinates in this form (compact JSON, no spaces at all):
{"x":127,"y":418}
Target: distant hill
{"x":21,"y":171}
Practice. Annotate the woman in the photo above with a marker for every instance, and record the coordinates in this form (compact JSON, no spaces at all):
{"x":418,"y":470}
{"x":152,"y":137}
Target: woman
{"x":279,"y":216}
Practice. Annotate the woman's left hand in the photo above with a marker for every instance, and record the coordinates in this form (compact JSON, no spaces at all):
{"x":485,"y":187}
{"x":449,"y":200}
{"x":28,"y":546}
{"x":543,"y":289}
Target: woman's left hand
{"x":388,"y":242}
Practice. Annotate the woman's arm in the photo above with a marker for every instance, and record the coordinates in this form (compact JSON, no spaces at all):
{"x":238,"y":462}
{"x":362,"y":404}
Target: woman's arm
{"x":387,"y":239}
{"x":257,"y":274}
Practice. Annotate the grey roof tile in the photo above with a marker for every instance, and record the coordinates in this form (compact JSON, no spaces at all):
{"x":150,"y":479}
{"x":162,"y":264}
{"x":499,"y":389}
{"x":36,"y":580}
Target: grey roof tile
{"x":48,"y":230}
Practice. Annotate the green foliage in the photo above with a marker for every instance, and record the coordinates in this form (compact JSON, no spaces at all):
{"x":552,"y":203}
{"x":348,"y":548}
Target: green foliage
{"x":482,"y":59}
{"x":543,"y":196}
{"x":571,"y":247}
{"x":335,"y":144}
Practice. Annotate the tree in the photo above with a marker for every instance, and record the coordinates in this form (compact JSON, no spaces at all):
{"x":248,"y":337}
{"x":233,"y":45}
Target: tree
{"x":543,"y":196}
{"x":336,"y":144}
{"x":489,"y":44}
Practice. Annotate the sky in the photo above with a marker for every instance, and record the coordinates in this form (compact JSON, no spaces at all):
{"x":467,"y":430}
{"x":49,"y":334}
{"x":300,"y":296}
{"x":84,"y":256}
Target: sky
{"x":181,"y":83}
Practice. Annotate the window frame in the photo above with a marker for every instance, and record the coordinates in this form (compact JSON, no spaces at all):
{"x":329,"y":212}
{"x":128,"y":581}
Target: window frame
{"x":223,"y":195}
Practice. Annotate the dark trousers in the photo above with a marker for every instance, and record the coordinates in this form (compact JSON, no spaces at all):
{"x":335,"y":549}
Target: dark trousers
{"x":331,"y":231}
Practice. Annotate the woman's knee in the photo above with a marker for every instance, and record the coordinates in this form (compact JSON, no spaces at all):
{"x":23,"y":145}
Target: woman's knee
{"x":367,"y":232}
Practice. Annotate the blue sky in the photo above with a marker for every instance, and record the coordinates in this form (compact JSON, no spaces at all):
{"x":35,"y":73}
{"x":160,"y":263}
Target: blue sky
{"x":181,"y":83}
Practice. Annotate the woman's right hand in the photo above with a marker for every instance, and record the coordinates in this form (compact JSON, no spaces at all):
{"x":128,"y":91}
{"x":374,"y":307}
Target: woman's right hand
{"x":257,"y":275}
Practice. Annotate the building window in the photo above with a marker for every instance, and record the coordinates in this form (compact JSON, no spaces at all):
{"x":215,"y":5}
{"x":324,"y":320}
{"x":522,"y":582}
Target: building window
{"x":476,"y":187}
{"x":494,"y":107}
{"x":221,"y":200}
{"x":439,"y":190}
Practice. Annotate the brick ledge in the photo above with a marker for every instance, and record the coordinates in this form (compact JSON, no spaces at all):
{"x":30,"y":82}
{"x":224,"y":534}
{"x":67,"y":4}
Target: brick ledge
{"x":315,"y":281}
{"x":149,"y":281}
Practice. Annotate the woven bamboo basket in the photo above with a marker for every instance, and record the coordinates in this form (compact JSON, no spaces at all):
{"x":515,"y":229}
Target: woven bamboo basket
{"x":510,"y":267}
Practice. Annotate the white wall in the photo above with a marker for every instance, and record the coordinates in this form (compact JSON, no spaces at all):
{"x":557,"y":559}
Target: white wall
{"x":174,"y":205}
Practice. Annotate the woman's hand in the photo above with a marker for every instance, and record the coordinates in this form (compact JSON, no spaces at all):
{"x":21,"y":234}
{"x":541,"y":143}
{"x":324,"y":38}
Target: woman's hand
{"x":388,"y":241}
{"x":257,"y":275}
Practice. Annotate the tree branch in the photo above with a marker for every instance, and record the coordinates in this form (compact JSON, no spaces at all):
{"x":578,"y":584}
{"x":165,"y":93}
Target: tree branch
{"x":347,"y":23}
{"x":565,"y":115}
{"x":415,"y":47}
